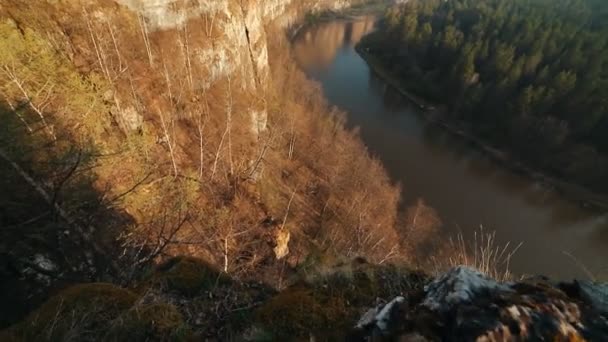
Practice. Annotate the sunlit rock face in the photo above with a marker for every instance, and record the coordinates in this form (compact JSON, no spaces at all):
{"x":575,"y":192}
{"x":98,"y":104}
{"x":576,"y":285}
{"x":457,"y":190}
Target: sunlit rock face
{"x":166,"y":14}
{"x":465,"y":305}
{"x":239,"y":45}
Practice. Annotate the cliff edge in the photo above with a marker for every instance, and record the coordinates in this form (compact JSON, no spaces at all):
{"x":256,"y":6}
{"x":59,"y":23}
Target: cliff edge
{"x":187,"y":299}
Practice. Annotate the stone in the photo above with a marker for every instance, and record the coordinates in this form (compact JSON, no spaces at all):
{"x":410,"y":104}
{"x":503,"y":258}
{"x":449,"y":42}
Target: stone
{"x":281,"y":249}
{"x":466,"y":305}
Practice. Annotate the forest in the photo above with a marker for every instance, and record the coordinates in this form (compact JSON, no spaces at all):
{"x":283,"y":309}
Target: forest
{"x":528,"y":76}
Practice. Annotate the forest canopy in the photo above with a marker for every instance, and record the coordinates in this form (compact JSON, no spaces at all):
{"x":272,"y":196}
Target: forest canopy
{"x":528,"y":75}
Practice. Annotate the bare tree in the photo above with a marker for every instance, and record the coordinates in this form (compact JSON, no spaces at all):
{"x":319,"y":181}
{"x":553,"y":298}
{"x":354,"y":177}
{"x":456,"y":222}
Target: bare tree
{"x":421,"y":224}
{"x":101,"y":56}
{"x":258,"y":162}
{"x":292,"y":143}
{"x":144,"y":32}
{"x":227,"y":133}
{"x":217,"y":153}
{"x":229,"y":124}
{"x":200,"y":125}
{"x":169,"y":142}
{"x":185,"y":47}
{"x":39,"y":107}
{"x":122,"y":66}
{"x":82,"y":231}
{"x":226,"y":249}
{"x":159,"y":235}
{"x":19,"y":116}
{"x":209,"y":23}
{"x":168,"y":81}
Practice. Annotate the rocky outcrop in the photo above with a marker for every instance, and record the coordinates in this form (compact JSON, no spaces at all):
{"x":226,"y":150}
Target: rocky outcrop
{"x":460,"y":305}
{"x":237,"y":31}
{"x":465,"y":305}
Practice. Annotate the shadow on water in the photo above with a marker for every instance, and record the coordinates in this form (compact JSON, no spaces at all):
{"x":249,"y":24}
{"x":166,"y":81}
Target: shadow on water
{"x":461,"y":183}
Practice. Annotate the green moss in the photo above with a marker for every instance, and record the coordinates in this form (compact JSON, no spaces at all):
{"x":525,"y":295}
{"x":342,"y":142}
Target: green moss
{"x":9,"y":335}
{"x":188,"y":276}
{"x":298,"y":311}
{"x":159,"y":321}
{"x":81,"y":312}
{"x":328,"y":304}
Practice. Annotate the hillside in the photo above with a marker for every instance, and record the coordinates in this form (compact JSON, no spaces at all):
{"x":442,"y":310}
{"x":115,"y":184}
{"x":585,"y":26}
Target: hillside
{"x":134,"y":131}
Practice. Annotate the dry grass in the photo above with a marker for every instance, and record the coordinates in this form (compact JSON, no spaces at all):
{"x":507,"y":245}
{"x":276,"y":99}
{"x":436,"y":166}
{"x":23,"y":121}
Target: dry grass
{"x":484,"y":253}
{"x":597,"y":275}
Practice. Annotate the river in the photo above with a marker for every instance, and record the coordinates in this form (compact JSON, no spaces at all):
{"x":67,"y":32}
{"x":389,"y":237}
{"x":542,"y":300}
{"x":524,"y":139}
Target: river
{"x":467,"y":189}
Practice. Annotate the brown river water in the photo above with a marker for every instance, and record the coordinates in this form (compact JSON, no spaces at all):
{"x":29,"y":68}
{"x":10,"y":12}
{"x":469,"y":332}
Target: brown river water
{"x":466,"y":188}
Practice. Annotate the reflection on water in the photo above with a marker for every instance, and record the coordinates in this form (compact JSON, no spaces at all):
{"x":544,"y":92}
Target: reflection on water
{"x":466,"y":188}
{"x":329,"y":39}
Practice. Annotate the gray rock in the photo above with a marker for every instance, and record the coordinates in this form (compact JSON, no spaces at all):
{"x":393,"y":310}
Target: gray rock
{"x":596,"y":294}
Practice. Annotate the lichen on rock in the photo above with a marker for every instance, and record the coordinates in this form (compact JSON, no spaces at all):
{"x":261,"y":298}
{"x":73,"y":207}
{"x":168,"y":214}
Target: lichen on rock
{"x":458,"y":286}
{"x":465,"y":305}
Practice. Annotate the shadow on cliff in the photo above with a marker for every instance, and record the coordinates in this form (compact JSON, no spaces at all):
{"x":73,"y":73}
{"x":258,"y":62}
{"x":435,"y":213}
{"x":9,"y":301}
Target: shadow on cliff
{"x":56,"y":228}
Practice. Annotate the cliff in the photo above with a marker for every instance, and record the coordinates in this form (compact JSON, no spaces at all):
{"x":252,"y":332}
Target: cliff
{"x":239,"y":43}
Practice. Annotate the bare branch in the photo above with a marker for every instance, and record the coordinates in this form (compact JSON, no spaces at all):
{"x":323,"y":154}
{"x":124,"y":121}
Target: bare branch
{"x":83,"y":232}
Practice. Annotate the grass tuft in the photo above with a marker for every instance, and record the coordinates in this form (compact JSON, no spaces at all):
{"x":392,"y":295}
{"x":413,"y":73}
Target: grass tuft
{"x":484,"y":254}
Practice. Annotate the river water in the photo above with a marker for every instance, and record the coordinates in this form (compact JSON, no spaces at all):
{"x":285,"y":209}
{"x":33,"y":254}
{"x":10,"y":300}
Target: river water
{"x":467,"y":189}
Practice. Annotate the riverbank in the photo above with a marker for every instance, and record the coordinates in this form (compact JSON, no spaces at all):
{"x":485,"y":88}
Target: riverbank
{"x":437,"y":114}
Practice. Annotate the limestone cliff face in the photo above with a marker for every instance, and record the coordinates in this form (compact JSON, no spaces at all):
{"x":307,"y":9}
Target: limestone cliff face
{"x":239,"y":44}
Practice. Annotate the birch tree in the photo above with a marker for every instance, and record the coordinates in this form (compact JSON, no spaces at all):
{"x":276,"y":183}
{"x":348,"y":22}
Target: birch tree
{"x":35,"y":76}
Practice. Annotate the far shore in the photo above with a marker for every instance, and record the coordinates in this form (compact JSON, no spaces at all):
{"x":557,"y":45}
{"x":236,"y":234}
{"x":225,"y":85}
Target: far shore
{"x":436,"y":114}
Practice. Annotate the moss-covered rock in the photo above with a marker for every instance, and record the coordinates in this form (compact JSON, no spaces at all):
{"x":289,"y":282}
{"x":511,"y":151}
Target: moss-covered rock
{"x":227,"y":310}
{"x":188,"y":276}
{"x":327,"y":305}
{"x":9,"y":335}
{"x":152,"y":322}
{"x":82,"y":312}
{"x":298,"y":311}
